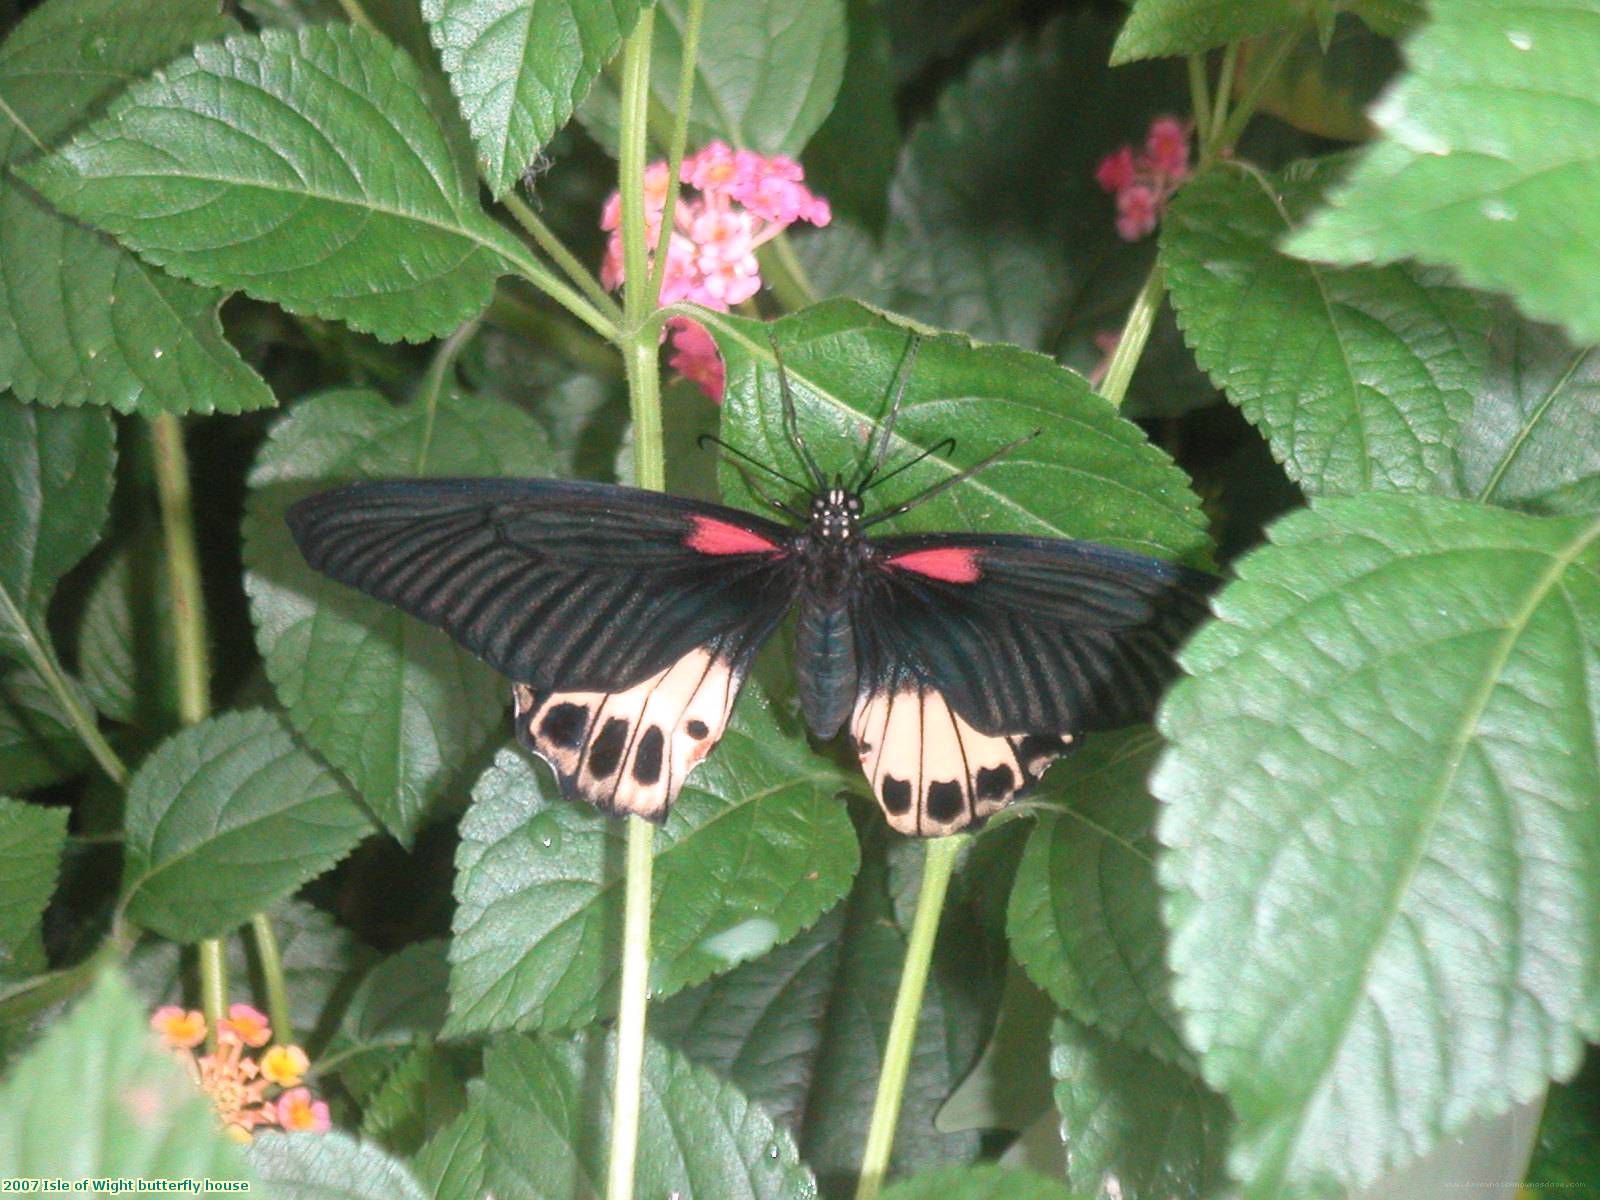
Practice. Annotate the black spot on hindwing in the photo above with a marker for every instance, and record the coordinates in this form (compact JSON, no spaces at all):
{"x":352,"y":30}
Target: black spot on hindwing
{"x":647,"y":758}
{"x":564,"y":725}
{"x":897,"y":795}
{"x":994,"y":782}
{"x":696,"y":729}
{"x":945,"y":800}
{"x":605,"y":752}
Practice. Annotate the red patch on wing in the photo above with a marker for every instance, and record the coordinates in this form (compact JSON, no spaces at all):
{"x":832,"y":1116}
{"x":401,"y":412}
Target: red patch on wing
{"x":952,"y":564}
{"x":719,"y":537}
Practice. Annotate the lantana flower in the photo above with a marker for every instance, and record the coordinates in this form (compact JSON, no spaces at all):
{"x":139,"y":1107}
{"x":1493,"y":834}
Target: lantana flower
{"x":245,"y":1093}
{"x":739,"y":201}
{"x":1144,"y":182}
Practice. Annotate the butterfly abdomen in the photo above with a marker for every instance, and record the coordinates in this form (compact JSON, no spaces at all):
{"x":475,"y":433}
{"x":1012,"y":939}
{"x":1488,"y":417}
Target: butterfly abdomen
{"x":825,"y":663}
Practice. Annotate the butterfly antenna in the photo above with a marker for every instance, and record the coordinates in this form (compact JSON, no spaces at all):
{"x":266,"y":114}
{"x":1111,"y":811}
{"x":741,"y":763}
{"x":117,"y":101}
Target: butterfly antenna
{"x":945,"y":485}
{"x":791,"y":422}
{"x":714,"y":440}
{"x":750,"y":482}
{"x":879,"y":450}
{"x":943,"y":446}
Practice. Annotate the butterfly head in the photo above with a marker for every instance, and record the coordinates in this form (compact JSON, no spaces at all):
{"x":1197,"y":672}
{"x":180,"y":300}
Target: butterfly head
{"x":835,"y":514}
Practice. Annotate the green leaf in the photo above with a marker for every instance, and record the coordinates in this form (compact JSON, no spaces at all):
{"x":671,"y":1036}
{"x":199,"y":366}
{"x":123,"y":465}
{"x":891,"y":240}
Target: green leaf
{"x":1126,"y":1116}
{"x":83,"y":321}
{"x":1089,"y":474}
{"x":985,"y":1182}
{"x":801,"y":1032}
{"x":207,"y":170}
{"x":1009,"y":1086}
{"x":997,"y":227}
{"x":1534,"y":438}
{"x":328,"y":1166}
{"x":1327,"y":91}
{"x":1490,"y":157}
{"x":391,"y":702}
{"x":401,"y":1001}
{"x":55,"y":489}
{"x":765,"y":77}
{"x":125,"y":642}
{"x":1383,"y":773}
{"x":451,"y":1165}
{"x":852,"y":157}
{"x":1391,"y":18}
{"x":98,"y":1097}
{"x":419,"y":1097}
{"x":548,"y":1112}
{"x":1158,"y":28}
{"x":1360,"y":378}
{"x":319,"y":958}
{"x":37,"y":746}
{"x":755,"y":848}
{"x":519,"y":69}
{"x":225,"y":819}
{"x":31,"y":840}
{"x":1567,"y":1155}
{"x":1084,"y":918}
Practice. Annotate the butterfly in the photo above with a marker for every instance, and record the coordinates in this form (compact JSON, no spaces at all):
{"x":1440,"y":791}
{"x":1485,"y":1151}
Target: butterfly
{"x":963,"y":663}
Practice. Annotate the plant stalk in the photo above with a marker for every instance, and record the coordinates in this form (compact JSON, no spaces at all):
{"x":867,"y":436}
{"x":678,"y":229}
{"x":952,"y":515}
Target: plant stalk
{"x":1135,"y":334}
{"x":193,"y":660}
{"x":79,"y":715}
{"x":936,"y":869}
{"x":677,"y":139}
{"x":644,"y":393}
{"x":544,"y":237}
{"x":272,"y":975}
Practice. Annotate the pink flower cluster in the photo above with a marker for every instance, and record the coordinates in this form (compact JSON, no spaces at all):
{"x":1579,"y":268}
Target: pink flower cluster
{"x":740,"y":201}
{"x":1143,"y":183}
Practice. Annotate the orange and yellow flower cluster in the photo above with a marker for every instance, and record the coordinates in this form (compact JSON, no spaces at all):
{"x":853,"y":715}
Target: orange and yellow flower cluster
{"x":237,"y":1081}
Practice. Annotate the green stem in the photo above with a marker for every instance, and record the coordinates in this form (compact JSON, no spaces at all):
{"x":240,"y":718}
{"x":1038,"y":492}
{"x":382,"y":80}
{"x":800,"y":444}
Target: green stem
{"x":1200,"y":97}
{"x":633,"y":139}
{"x":355,"y":14}
{"x":1259,"y":79}
{"x":213,"y":988}
{"x":1219,"y":110}
{"x":678,"y":138}
{"x":433,"y":384}
{"x":544,"y":237}
{"x":272,"y":976}
{"x":628,"y":1083}
{"x":937,"y":865}
{"x":79,"y":715}
{"x":1135,"y":333}
{"x":644,"y":393}
{"x":193,"y":660}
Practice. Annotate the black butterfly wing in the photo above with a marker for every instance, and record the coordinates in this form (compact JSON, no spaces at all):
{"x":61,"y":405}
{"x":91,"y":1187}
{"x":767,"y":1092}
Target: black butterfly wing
{"x":983,"y":657}
{"x":627,"y":619}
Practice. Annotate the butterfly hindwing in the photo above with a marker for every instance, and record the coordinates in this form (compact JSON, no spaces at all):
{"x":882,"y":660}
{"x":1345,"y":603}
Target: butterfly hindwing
{"x":931,"y":771}
{"x":631,"y":750}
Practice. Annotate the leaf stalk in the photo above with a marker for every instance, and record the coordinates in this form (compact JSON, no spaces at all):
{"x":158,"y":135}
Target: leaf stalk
{"x":936,"y":869}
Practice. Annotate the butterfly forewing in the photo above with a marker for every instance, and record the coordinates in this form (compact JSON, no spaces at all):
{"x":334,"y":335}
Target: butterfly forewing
{"x":626,"y":619}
